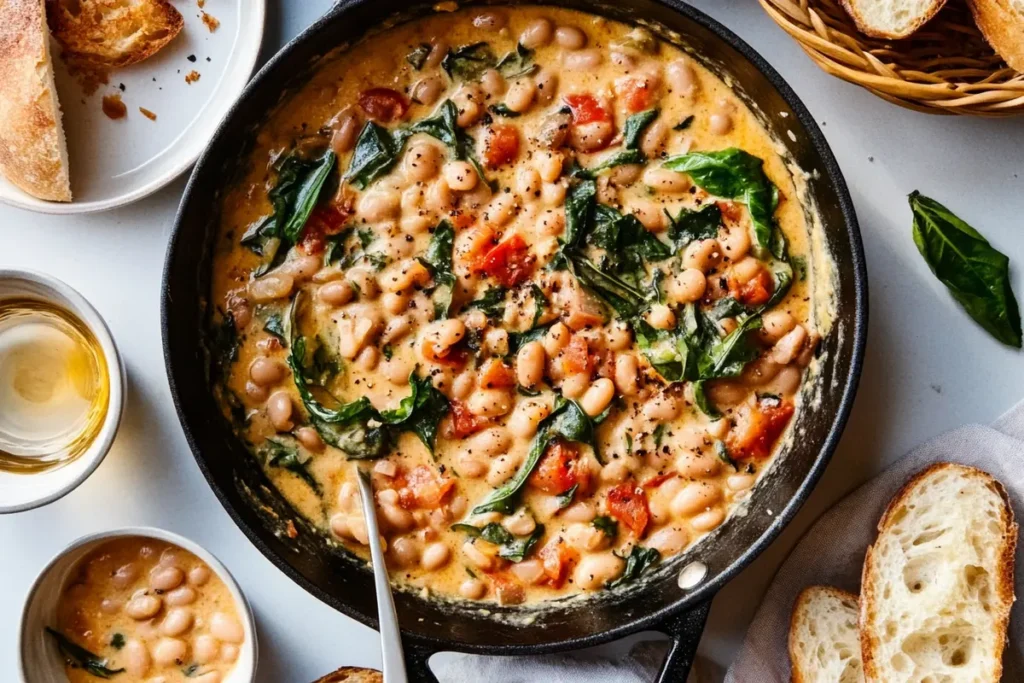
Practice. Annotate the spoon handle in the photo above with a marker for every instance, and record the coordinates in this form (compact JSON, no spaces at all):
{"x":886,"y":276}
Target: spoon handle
{"x":390,"y":636}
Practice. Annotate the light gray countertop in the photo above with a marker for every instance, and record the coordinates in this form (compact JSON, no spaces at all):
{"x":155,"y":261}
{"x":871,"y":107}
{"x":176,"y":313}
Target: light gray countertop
{"x":928,"y":367}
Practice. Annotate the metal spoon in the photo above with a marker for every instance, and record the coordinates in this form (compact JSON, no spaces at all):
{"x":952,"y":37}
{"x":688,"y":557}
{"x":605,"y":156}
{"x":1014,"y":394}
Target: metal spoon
{"x":390,"y":636}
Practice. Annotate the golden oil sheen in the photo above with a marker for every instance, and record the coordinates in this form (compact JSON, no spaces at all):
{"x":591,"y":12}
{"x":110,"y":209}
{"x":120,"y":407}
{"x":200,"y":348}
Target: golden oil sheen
{"x":54,"y":386}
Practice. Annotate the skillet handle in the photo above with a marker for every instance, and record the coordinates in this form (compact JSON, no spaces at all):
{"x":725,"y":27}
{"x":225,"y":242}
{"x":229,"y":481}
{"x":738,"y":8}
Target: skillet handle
{"x":417,"y":663}
{"x":685,"y":631}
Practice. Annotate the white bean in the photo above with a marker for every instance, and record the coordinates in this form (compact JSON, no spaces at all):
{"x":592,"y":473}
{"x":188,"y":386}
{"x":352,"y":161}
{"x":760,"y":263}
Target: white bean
{"x":570,"y":37}
{"x":582,"y":60}
{"x":226,"y":627}
{"x":270,"y":287}
{"x":180,"y":596}
{"x":627,"y":369}
{"x":460,"y":175}
{"x":168,"y":651}
{"x":687,"y":286}
{"x":266,"y":372}
{"x":668,"y":540}
{"x":502,"y":468}
{"x":143,"y":607}
{"x":706,"y":521}
{"x":279,"y":410}
{"x":422,"y":161}
{"x":537,"y":33}
{"x":177,"y":621}
{"x":472,"y":589}
{"x":527,"y":417}
{"x":490,"y":442}
{"x":199,"y":575}
{"x":435,"y":556}
{"x":380,"y":205}
{"x":695,"y":497}
{"x":520,"y":524}
{"x":530,"y":364}
{"x":125,"y":575}
{"x":427,"y":90}
{"x":337,"y":293}
{"x":598,"y":396}
{"x":205,"y":649}
{"x":594,"y":571}
{"x":664,"y":180}
{"x":521,"y":95}
{"x":478,"y":558}
{"x":702,"y":255}
{"x":490,"y":403}
{"x":575,"y":385}
{"x":136,"y":658}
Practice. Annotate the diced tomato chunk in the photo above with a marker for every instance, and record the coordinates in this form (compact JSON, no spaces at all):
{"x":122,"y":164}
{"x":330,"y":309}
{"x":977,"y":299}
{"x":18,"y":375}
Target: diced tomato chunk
{"x":508,"y":589}
{"x":603,"y":362}
{"x":586,"y":109}
{"x":557,"y":470}
{"x":575,"y":358}
{"x":557,"y":559}
{"x":755,"y":291}
{"x":510,"y":262}
{"x":758,"y":428}
{"x":628,"y":504}
{"x":495,"y":374}
{"x":657,"y":480}
{"x":383,"y":104}
{"x":424,"y":487}
{"x":325,"y":220}
{"x":636,"y":94}
{"x":462,"y":220}
{"x":501,"y":145}
{"x":463,"y":422}
{"x":732,"y":212}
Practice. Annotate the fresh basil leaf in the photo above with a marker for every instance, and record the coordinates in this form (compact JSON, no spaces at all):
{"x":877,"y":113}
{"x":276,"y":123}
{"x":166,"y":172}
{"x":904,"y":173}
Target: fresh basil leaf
{"x":638,"y":561}
{"x":418,"y":55}
{"x":275,"y":326}
{"x":564,"y":500}
{"x":501,"y":109}
{"x":974,"y":272}
{"x":469,"y":62}
{"x":606,"y":525}
{"x":438,"y":260}
{"x":517,"y":64}
{"x":735,"y":174}
{"x":78,"y":656}
{"x":277,"y":454}
{"x":691,"y":225}
{"x":492,"y":302}
{"x":375,"y":154}
{"x":684,"y":124}
{"x":568,"y":421}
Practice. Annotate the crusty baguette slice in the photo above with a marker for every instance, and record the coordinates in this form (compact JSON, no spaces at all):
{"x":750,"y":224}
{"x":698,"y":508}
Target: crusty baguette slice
{"x":33,"y":152}
{"x":937,"y":584}
{"x":112,"y":33}
{"x":352,"y":674}
{"x":1002,"y":22}
{"x":824,"y":644}
{"x":891,"y":18}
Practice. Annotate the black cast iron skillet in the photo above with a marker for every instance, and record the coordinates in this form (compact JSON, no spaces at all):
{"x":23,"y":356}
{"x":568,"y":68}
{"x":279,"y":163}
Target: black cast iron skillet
{"x":432,"y":626}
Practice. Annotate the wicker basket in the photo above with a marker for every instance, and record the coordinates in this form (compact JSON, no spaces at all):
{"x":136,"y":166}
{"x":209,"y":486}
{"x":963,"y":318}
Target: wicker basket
{"x":945,"y":68}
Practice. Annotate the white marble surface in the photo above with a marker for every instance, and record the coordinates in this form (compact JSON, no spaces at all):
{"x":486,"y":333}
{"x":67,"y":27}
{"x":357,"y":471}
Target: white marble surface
{"x":928,"y":369}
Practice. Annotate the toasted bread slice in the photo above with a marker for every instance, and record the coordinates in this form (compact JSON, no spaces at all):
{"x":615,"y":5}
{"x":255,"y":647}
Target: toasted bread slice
{"x":352,"y":674}
{"x":824,"y":643}
{"x":1002,"y":22}
{"x":937,"y":585}
{"x":112,"y":33}
{"x":891,"y":18}
{"x":33,"y":152}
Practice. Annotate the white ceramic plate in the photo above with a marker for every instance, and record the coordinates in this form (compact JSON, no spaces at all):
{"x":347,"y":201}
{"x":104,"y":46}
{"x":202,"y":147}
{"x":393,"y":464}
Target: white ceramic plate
{"x":115,"y":162}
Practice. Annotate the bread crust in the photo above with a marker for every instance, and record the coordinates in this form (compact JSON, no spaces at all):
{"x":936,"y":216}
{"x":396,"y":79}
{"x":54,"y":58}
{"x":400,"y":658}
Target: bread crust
{"x":869,"y":641}
{"x":798,"y":612}
{"x":33,"y":154}
{"x":89,"y":41}
{"x":864,"y":27}
{"x":352,"y":674}
{"x":1003,"y":28}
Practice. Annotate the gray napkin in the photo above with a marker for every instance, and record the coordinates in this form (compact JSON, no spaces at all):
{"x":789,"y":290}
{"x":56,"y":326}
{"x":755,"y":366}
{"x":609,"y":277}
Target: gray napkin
{"x":817,"y":559}
{"x":832,"y":551}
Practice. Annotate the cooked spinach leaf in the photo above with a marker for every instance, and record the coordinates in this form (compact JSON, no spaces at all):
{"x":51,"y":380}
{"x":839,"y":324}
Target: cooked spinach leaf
{"x":564,"y":500}
{"x":518,"y":63}
{"x":516,"y":340}
{"x":491,"y":302}
{"x":700,"y":397}
{"x":672,"y":353}
{"x":438,"y":260}
{"x":444,"y":126}
{"x":976,"y":274}
{"x":78,"y":656}
{"x":735,"y":174}
{"x":579,"y":208}
{"x":539,"y":303}
{"x":631,"y":152}
{"x":684,"y":124}
{"x":627,"y":243}
{"x":511,"y":548}
{"x":117,"y":641}
{"x":275,"y":326}
{"x":420,"y":412}
{"x":691,"y":225}
{"x":722,"y":451}
{"x":728,"y":357}
{"x":501,"y":109}
{"x":568,"y":421}
{"x":626,"y":299}
{"x":638,"y":561}
{"x":224,"y":344}
{"x":376,"y":152}
{"x":606,"y":525}
{"x":278,"y":454}
{"x":418,"y":55}
{"x":468,"y":62}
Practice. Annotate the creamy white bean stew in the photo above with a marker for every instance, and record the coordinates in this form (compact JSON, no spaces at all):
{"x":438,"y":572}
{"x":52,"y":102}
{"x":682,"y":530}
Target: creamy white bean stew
{"x":145,"y":611}
{"x":541,"y":271}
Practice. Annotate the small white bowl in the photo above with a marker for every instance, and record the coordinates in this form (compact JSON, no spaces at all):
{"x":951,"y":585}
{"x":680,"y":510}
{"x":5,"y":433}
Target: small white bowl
{"x":20,"y":492}
{"x":39,"y":660}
